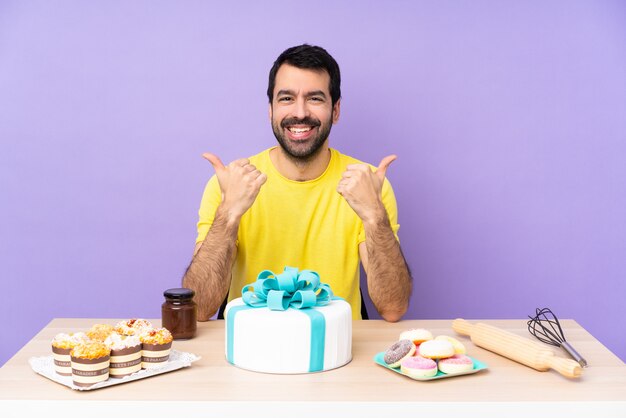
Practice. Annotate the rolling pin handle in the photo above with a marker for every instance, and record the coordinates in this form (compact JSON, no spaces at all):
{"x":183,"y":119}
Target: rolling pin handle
{"x":567,"y":367}
{"x":462,"y":327}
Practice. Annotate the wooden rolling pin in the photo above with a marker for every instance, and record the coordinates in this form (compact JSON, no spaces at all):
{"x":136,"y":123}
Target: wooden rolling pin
{"x":514,"y":347}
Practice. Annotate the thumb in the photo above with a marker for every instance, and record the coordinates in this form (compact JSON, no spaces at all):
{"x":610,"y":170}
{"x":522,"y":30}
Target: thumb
{"x":384,"y":164}
{"x":215,"y":161}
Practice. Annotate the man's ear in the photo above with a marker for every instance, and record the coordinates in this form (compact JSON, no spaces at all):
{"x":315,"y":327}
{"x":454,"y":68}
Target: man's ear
{"x":336,"y":111}
{"x":270,"y":111}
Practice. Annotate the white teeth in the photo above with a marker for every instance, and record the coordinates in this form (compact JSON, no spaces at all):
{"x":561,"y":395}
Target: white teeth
{"x":300,"y":130}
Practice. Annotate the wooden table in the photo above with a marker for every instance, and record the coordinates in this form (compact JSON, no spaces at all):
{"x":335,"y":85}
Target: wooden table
{"x":212,"y":386}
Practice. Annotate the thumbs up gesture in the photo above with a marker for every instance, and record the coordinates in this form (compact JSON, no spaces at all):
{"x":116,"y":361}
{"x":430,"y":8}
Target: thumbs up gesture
{"x":239,"y":181}
{"x":362,"y":187}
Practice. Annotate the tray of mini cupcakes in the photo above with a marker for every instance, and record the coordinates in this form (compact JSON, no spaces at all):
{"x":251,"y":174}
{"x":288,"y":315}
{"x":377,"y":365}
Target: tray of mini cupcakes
{"x":107,"y":355}
{"x":421,"y":356}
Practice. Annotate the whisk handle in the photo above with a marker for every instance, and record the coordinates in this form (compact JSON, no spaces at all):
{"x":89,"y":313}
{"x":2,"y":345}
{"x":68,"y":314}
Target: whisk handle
{"x":570,"y":350}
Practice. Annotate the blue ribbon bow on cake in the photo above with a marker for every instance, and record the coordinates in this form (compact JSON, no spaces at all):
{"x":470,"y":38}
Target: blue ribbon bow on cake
{"x":279,"y":292}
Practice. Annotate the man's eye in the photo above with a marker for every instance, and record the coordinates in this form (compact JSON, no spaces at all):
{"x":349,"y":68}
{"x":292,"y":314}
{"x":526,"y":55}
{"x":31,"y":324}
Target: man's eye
{"x":284,"y":99}
{"x":317,"y":99}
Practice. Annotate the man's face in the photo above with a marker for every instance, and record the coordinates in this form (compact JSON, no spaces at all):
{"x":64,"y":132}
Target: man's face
{"x":301,"y":110}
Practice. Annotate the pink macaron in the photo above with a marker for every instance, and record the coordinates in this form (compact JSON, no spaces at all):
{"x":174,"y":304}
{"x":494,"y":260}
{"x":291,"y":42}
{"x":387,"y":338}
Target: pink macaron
{"x":459,"y":363}
{"x":418,"y":367}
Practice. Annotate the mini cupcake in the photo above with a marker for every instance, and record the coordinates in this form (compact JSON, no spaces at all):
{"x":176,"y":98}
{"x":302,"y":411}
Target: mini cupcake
{"x":125,"y":354}
{"x":100,"y":332}
{"x":133,"y":326}
{"x":90,"y":363}
{"x":156,"y":345}
{"x":62,"y":344}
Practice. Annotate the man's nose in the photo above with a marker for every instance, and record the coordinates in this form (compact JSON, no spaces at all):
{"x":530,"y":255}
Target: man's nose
{"x":300,"y":110}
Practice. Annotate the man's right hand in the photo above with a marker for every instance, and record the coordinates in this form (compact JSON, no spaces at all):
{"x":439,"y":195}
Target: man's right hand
{"x":239,"y":181}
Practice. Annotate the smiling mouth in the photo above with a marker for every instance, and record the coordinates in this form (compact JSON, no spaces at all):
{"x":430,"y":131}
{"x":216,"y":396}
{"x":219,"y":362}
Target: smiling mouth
{"x":299,"y":130}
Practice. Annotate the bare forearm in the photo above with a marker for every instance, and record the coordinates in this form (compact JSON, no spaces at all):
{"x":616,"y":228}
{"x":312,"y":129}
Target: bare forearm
{"x":388,"y":277}
{"x":209,"y":273}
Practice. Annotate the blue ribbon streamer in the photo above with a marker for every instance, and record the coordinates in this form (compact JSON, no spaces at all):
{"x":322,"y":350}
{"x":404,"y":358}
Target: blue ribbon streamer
{"x":290,"y":289}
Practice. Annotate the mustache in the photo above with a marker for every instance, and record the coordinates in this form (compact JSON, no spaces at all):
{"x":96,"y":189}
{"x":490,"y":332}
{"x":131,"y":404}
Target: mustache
{"x":304,"y":121}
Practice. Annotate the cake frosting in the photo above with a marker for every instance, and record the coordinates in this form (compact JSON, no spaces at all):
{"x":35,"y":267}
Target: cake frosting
{"x":100,"y":332}
{"x":264,"y":340}
{"x":133,"y":326}
{"x":90,"y":350}
{"x":288,"y":323}
{"x":117,"y":341}
{"x":69,"y":341}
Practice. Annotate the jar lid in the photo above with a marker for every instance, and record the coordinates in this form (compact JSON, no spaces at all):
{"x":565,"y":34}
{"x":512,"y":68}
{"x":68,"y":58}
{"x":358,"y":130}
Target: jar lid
{"x":179,"y":293}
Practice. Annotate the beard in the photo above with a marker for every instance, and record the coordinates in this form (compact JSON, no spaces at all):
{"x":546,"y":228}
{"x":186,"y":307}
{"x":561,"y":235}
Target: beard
{"x":307,"y":150}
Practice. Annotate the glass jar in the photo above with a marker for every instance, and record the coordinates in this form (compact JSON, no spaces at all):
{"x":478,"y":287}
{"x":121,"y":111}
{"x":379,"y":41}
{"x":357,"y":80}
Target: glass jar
{"x":178,"y":313}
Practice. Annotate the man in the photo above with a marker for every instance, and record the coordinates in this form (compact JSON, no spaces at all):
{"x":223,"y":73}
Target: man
{"x":300,"y":204}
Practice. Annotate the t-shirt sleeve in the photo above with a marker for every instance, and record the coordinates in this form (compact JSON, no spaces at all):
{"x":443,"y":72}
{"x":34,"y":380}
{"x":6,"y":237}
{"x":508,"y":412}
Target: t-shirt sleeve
{"x":389,"y":201}
{"x":211,"y":198}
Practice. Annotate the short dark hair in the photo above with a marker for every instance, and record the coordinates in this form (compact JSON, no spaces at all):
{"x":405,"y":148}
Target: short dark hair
{"x":309,"y":57}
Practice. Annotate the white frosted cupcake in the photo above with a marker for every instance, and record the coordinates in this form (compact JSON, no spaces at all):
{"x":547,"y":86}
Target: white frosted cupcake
{"x":133,"y":326}
{"x":125,"y":354}
{"x":62,"y":344}
{"x":90,"y":363}
{"x":155,"y":347}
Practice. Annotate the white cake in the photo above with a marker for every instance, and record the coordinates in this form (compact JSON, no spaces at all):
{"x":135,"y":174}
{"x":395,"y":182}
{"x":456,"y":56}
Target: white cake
{"x":290,"y":341}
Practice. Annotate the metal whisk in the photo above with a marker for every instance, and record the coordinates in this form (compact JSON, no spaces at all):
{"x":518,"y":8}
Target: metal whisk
{"x":546,"y":327}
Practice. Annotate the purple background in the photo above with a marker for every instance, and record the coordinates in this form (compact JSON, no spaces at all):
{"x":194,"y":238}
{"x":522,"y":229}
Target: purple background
{"x":508,"y":119}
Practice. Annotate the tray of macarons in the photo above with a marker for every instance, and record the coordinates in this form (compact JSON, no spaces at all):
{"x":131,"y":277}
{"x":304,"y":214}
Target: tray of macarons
{"x":420,"y":356}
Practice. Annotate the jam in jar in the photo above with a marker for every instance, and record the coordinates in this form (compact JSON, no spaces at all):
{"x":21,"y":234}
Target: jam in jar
{"x":178,"y":313}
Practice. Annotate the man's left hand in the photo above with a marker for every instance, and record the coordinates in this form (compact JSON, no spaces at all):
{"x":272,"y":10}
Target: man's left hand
{"x":361,"y":187}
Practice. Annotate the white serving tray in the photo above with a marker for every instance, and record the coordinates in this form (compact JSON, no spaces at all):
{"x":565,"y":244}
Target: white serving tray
{"x":45,"y":367}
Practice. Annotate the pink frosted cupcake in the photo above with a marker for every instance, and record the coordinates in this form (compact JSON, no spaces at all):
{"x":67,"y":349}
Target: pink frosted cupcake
{"x":155,"y":347}
{"x":62,"y":344}
{"x":125,"y":354}
{"x":133,"y":326}
{"x":90,"y":363}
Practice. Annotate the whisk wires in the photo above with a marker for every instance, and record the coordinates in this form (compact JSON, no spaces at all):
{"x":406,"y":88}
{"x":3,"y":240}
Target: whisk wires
{"x":546,"y":328}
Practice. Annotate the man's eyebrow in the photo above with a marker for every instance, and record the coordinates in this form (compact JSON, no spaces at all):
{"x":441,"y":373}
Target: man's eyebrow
{"x":316,"y":93}
{"x":293,"y":93}
{"x":285,"y":92}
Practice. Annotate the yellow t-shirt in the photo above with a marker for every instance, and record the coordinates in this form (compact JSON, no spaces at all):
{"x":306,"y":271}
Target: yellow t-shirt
{"x":302,"y":224}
